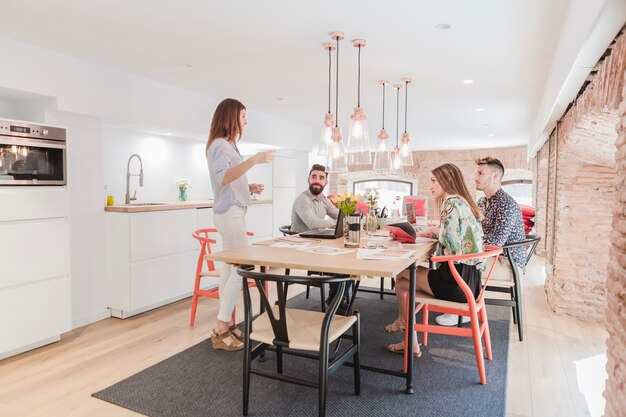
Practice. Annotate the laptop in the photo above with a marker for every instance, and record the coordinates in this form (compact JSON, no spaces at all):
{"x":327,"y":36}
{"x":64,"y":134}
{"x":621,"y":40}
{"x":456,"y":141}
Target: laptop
{"x":335,"y":233}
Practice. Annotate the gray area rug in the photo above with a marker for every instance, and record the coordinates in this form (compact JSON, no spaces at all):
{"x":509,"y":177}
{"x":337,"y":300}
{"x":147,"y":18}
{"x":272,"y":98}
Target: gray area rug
{"x":202,"y":382}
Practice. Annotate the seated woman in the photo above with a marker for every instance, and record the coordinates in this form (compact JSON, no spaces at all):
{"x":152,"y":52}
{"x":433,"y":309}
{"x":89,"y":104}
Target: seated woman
{"x":459,"y":233}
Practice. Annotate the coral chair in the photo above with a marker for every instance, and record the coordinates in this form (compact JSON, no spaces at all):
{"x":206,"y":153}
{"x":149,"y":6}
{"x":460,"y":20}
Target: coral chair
{"x":473,"y":308}
{"x":205,"y":248}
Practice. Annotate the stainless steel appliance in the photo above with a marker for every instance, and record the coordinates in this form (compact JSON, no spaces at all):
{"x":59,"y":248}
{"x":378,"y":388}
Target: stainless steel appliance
{"x":32,"y":154}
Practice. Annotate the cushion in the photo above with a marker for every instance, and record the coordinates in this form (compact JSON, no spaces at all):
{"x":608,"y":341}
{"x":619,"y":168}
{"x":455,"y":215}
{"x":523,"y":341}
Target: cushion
{"x":527,"y":211}
{"x":419,"y":205}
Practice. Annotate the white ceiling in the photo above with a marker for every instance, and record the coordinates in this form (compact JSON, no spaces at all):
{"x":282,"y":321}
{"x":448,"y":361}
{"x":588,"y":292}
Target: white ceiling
{"x":269,"y":55}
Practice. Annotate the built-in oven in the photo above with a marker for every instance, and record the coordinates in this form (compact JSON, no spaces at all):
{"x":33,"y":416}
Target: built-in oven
{"x":32,"y":154}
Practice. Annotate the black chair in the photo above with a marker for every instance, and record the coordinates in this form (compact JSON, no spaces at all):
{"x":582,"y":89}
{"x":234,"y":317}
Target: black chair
{"x":287,"y":329}
{"x":286,"y":231}
{"x":513,"y":286}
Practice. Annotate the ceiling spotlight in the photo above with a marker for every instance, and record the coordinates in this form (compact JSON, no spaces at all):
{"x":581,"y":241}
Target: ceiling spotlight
{"x":468,"y":81}
{"x":187,"y":65}
{"x":279,"y":99}
{"x":491,"y":135}
{"x":479,"y":109}
{"x":443,"y":26}
{"x":487,"y":124}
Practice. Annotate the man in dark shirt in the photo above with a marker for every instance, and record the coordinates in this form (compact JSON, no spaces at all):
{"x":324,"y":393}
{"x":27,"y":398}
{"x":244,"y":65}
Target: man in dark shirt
{"x":502,"y":223}
{"x":310,"y":211}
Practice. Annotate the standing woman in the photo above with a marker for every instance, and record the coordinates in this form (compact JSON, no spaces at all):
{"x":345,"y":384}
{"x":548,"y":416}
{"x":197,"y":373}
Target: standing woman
{"x":232,"y":197}
{"x":459,"y":233}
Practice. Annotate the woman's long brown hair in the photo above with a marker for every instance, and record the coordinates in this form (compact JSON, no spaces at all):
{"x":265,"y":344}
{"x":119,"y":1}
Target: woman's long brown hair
{"x":451,"y":180}
{"x":225,"y":123}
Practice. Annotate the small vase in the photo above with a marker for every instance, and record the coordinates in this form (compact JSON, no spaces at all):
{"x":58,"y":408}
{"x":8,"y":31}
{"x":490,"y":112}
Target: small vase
{"x":371,"y":222}
{"x":352,"y":231}
{"x":182,"y":194}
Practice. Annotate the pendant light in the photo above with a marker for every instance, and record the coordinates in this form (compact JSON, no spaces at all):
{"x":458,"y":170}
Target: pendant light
{"x":396,"y":160}
{"x":405,"y":149}
{"x":337,"y":161}
{"x":329,"y":122}
{"x":382,"y":157}
{"x":359,"y":152}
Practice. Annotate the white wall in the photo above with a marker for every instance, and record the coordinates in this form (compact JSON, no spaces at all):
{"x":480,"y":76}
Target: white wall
{"x":84,"y":97}
{"x":91,"y":89}
{"x":588,"y":29}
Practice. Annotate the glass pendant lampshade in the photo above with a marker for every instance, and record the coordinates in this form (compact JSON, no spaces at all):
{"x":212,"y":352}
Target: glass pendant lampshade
{"x":329,"y":119}
{"x":337,"y":161}
{"x":396,"y":159}
{"x":382,"y":157}
{"x":359,"y":152}
{"x":405,"y":149}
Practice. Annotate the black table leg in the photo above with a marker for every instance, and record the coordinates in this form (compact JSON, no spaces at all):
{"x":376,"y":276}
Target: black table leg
{"x":410,"y":328}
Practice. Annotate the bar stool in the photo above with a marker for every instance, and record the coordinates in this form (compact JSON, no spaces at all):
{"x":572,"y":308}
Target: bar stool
{"x":202,"y":235}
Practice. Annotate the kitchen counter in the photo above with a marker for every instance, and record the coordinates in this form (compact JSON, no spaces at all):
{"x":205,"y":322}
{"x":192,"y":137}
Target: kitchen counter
{"x":172,"y":205}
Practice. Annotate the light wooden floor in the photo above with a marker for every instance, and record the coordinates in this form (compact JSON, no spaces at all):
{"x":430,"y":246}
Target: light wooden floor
{"x":58,"y":379}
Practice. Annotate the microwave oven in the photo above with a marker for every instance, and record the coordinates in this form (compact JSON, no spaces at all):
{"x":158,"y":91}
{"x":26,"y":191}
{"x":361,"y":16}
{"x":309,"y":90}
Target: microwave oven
{"x":32,"y":154}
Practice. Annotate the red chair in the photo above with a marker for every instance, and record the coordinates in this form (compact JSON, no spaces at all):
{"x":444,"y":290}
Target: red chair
{"x":473,"y":308}
{"x":205,"y":248}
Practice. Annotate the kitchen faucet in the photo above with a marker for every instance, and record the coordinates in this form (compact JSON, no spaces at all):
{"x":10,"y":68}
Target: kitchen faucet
{"x":128,"y":198}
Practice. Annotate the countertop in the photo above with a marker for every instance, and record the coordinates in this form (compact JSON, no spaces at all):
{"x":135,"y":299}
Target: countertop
{"x":168,"y":205}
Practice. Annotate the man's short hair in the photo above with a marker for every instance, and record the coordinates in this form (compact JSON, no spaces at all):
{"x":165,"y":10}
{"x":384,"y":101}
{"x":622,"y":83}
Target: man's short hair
{"x":318,"y":167}
{"x":493,"y":163}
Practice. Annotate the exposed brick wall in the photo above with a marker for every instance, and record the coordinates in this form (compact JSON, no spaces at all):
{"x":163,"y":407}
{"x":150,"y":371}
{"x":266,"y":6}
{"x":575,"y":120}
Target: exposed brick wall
{"x":576,"y":174}
{"x":425,"y":161}
{"x":615,"y":389}
{"x":544,"y":195}
{"x":584,"y":187}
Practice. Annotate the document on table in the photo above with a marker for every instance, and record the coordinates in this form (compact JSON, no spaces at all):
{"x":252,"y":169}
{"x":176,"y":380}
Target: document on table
{"x":292,"y":245}
{"x":325,"y":250}
{"x":386,"y":254}
{"x":295,"y":239}
{"x":378,"y":244}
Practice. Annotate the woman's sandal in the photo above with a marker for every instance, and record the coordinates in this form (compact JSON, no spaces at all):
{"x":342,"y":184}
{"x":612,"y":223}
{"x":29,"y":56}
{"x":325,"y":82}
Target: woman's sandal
{"x":219,"y":343}
{"x":399,"y":348}
{"x":396,"y":327}
{"x":233,"y":328}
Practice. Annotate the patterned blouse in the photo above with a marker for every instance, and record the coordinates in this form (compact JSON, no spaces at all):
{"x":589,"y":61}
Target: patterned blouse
{"x":460,"y":233}
{"x":503,"y":223}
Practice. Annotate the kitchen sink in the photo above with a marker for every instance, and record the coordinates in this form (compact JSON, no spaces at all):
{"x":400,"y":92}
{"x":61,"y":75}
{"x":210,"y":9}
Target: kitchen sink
{"x":148,"y":204}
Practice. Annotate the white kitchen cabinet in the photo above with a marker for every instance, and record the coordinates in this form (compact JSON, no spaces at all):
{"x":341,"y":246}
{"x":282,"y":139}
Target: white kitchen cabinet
{"x":35,"y":286}
{"x":284,"y":192}
{"x":151,"y":256}
{"x":150,"y":259}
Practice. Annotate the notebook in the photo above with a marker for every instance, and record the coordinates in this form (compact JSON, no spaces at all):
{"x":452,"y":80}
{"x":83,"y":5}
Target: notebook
{"x":402,"y":232}
{"x":327,"y":233}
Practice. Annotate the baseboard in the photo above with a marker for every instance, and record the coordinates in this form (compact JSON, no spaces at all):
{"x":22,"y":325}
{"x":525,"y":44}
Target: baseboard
{"x":90,"y":318}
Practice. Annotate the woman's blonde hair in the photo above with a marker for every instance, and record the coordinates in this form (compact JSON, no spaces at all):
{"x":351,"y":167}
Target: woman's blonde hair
{"x":451,"y":180}
{"x":225,"y":123}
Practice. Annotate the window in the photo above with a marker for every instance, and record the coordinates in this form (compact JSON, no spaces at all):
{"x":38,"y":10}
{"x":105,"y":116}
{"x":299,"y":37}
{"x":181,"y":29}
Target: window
{"x":520,"y":190}
{"x":390,"y":190}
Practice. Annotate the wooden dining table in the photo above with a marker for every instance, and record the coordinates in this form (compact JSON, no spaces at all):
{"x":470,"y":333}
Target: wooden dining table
{"x":264,"y":254}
